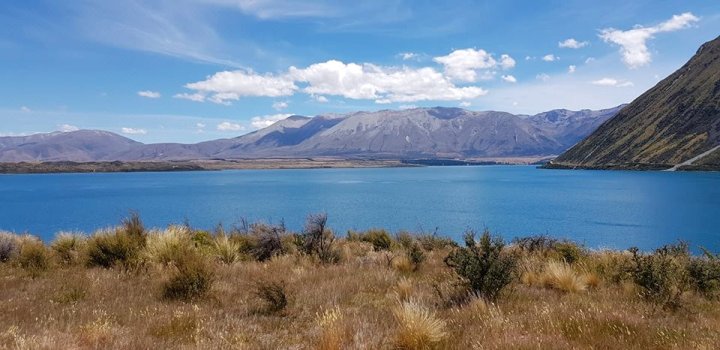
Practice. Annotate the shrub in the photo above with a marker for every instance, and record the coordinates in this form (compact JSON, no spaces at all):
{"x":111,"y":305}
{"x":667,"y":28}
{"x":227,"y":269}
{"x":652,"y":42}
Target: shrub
{"x":433,"y":241}
{"x":405,"y":239}
{"x":318,"y":240}
{"x":201,"y":238}
{"x":109,"y":248}
{"x":483,"y":265}
{"x":535,"y":244}
{"x":416,"y":255}
{"x":33,"y":256}
{"x":379,"y":239}
{"x":568,"y":251}
{"x":134,"y":227}
{"x":562,"y":277}
{"x":192,"y":278}
{"x":418,"y":327}
{"x":266,"y":241}
{"x":704,"y":273}
{"x":662,"y":276}
{"x":9,"y":244}
{"x":274,"y":295}
{"x":69,"y":247}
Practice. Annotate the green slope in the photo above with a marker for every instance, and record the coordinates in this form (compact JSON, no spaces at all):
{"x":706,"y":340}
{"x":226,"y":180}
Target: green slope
{"x":674,"y":121}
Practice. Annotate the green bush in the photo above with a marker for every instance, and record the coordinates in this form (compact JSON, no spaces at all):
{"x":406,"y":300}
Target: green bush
{"x":69,"y":247}
{"x":433,"y":241}
{"x":274,"y":295}
{"x":662,"y":276}
{"x":192,"y":278}
{"x":33,"y":256}
{"x":704,"y":274}
{"x":568,"y":251}
{"x":416,"y":255}
{"x":111,"y":248}
{"x":379,"y":239}
{"x":483,"y":265}
{"x":405,"y":239}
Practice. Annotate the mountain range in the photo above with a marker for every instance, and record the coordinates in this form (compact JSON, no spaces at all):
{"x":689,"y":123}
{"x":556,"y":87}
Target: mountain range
{"x":389,"y":134}
{"x":675,"y":124}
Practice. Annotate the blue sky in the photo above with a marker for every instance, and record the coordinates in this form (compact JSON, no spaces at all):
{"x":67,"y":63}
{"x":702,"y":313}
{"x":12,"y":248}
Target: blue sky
{"x":193,"y":70}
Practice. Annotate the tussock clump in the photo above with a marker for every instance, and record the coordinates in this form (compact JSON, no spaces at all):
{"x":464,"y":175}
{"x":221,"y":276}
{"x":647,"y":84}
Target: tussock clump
{"x":483,"y":265}
{"x":404,"y":289}
{"x":561,"y":276}
{"x":402,"y":264}
{"x":192,"y":279}
{"x":417,"y":327}
{"x":549,"y":247}
{"x":333,"y":330}
{"x":33,"y":257}
{"x":9,"y":245}
{"x":69,"y":247}
{"x":168,"y":246}
{"x":183,"y":327}
{"x":226,"y":250}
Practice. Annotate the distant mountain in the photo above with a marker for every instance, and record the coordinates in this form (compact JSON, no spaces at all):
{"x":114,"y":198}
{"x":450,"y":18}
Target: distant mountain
{"x":414,"y":133}
{"x":677,"y":122}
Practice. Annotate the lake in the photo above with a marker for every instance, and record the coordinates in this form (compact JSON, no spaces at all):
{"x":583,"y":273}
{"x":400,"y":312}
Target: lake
{"x":602,"y":209}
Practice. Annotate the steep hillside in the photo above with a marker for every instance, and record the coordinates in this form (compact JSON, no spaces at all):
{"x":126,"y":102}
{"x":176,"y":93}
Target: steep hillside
{"x":674,"y":121}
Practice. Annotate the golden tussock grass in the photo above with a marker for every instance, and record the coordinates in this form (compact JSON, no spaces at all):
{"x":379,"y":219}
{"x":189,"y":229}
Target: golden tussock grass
{"x":361,"y":302}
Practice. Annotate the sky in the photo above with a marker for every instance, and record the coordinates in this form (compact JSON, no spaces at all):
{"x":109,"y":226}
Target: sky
{"x":194,"y":70}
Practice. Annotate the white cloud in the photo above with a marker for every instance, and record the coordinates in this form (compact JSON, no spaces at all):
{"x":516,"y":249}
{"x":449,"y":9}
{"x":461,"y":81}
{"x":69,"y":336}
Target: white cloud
{"x":222,"y":87}
{"x":279,"y":105}
{"x":589,"y":60}
{"x":407,"y":106}
{"x":197,"y":97}
{"x":542,"y":76}
{"x":25,"y":109}
{"x":133,"y":131}
{"x":571,"y":68}
{"x":465,"y":104}
{"x":633,"y":42}
{"x":572,"y":44}
{"x":319,"y":98}
{"x":509,"y":78}
{"x":549,"y":58}
{"x":612,"y":82}
{"x":408,"y":56}
{"x":529,"y":58}
{"x":67,"y":128}
{"x":148,"y":94}
{"x":382,"y":84}
{"x":267,"y":120}
{"x":200,"y":125}
{"x":506,"y":62}
{"x":228,"y":126}
{"x":464,"y":64}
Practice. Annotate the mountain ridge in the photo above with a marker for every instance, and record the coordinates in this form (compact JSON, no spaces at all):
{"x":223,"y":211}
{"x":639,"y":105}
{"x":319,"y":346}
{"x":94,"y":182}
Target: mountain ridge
{"x":437,"y":132}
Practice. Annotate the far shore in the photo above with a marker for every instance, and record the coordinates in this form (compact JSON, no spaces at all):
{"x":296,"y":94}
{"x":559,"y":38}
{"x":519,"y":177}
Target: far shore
{"x":232,"y":164}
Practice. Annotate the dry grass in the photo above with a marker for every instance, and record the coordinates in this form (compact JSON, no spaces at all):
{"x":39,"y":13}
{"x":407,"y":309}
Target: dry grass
{"x":360,"y":302}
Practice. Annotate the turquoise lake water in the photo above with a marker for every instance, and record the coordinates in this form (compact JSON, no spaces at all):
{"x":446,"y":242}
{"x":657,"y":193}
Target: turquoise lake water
{"x":612,"y":209}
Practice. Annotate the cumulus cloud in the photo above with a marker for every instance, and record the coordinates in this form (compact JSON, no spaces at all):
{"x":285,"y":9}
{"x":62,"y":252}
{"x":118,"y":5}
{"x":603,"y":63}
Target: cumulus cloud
{"x":549,"y":58}
{"x":267,"y":120}
{"x":612,"y":82}
{"x":633,"y":42}
{"x":148,"y":94}
{"x":365,"y":81}
{"x":280,"y":105}
{"x":223,"y":87}
{"x":509,"y":78}
{"x":542,"y":76}
{"x":228,"y":126}
{"x":572,"y":44}
{"x":67,"y":128}
{"x":464,"y":64}
{"x":133,"y":131}
{"x":571,"y":68}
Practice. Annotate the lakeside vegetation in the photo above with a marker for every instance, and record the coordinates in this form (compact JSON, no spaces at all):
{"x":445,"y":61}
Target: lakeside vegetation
{"x":260,"y":286}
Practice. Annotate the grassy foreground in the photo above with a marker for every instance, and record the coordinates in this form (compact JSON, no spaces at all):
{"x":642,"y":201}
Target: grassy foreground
{"x":259,"y":286}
